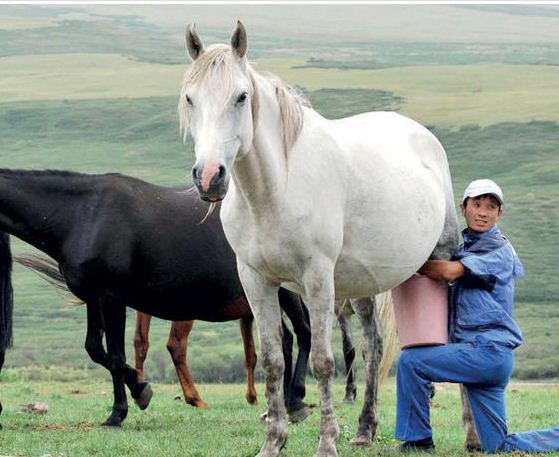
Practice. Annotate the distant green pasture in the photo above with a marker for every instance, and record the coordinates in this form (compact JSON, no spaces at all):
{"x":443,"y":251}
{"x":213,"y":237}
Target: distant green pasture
{"x":25,"y":23}
{"x":139,"y":136}
{"x":453,"y":95}
{"x":85,"y":76}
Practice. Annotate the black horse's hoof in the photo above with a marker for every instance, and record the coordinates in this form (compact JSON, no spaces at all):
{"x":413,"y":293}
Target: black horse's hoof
{"x":112,"y":422}
{"x":143,"y":399}
{"x":116,"y":418}
{"x":299,"y":415}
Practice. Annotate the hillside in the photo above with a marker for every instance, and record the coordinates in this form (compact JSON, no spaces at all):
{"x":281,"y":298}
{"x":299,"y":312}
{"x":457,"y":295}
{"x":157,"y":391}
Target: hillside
{"x":95,"y":90}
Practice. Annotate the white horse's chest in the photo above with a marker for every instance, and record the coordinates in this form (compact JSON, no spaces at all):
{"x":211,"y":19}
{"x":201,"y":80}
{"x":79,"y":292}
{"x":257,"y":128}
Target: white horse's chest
{"x":280,"y":248}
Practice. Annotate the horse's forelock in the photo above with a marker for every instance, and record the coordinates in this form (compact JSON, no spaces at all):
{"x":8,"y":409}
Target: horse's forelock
{"x":215,"y":63}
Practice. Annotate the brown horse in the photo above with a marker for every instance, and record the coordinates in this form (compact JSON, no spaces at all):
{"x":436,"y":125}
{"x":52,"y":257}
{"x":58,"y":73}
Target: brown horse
{"x":177,"y":345}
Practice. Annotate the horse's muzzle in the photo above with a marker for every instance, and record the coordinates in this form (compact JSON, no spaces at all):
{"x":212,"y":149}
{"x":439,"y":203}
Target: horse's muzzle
{"x":211,"y":187}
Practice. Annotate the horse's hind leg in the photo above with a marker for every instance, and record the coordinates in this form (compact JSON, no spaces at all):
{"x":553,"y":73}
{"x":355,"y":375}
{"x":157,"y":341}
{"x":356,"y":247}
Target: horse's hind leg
{"x":298,"y":314}
{"x":140,"y":390}
{"x":372,"y":351}
{"x":287,"y":349}
{"x":177,"y":345}
{"x":472,"y":442}
{"x":245,"y":324}
{"x":349,"y":351}
{"x":141,"y":342}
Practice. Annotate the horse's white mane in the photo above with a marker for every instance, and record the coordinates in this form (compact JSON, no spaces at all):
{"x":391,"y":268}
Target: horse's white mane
{"x":216,"y":62}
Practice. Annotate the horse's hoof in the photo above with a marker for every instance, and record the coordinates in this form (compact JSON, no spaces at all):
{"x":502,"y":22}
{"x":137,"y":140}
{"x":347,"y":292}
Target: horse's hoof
{"x":361,"y":441}
{"x":329,"y":451}
{"x":251,"y":399}
{"x":299,"y":415}
{"x":144,"y":398}
{"x":200,"y":404}
{"x":349,"y":400}
{"x":264,"y":416}
{"x":473,"y":447}
{"x":111,"y":422}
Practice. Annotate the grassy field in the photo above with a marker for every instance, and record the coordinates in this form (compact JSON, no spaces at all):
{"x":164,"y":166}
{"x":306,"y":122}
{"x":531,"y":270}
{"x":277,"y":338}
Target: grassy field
{"x":94,"y":89}
{"x":443,"y":95}
{"x":139,"y":137}
{"x":229,"y":428}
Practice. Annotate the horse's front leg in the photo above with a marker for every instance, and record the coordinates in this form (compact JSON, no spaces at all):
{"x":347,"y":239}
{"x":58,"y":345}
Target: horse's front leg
{"x":297,"y":313}
{"x":263,"y":299}
{"x":245,"y":324}
{"x":372,"y":351}
{"x":114,"y":320}
{"x":141,"y":341}
{"x":472,"y":442}
{"x":177,"y":345}
{"x":319,"y":298}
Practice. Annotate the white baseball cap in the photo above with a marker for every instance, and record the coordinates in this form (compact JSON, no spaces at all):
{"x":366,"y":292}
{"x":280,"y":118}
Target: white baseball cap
{"x":483,"y":187}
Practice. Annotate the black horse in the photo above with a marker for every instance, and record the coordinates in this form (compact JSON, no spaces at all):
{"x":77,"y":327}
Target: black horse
{"x":120,"y":242}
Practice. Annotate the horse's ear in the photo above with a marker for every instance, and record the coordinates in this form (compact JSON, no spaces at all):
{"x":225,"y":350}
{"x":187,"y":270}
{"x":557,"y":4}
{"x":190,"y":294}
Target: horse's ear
{"x":194,"y":44}
{"x":239,"y":40}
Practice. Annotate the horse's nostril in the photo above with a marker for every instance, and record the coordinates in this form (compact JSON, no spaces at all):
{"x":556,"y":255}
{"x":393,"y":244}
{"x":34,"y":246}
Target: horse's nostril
{"x":194,"y":173}
{"x":221,"y":172}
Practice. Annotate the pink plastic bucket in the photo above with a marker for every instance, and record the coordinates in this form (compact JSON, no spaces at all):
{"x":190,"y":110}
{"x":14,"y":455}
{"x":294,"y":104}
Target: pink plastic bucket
{"x":421,"y":308}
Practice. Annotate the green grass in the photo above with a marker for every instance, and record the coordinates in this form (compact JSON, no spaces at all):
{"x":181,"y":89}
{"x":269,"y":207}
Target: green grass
{"x":443,"y":95}
{"x":229,"y":427}
{"x":139,"y":137}
{"x":95,"y":90}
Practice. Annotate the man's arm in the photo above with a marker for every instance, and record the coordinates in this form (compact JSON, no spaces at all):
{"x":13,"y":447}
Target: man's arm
{"x":445,"y":270}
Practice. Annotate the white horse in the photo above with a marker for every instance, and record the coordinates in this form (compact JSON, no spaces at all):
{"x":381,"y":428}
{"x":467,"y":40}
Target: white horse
{"x":326,"y":208}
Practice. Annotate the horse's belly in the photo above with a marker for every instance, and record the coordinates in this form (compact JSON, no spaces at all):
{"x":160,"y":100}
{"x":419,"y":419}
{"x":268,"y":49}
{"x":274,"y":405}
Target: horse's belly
{"x":386,"y":248}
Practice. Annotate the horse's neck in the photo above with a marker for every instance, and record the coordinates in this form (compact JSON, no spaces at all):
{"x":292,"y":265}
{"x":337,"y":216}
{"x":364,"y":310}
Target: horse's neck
{"x":261,"y":176}
{"x":34,"y":209}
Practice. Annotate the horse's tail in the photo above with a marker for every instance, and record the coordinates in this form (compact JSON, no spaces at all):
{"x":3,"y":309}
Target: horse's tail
{"x":6,"y":293}
{"x":48,"y":269}
{"x":385,"y":307}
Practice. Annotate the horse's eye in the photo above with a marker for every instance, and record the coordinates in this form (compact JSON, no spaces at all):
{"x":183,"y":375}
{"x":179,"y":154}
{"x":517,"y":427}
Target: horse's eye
{"x":242,"y":98}
{"x":188,"y":100}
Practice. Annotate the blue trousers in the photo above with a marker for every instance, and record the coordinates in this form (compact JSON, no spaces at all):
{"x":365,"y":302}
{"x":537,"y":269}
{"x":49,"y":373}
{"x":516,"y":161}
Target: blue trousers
{"x":484,"y":368}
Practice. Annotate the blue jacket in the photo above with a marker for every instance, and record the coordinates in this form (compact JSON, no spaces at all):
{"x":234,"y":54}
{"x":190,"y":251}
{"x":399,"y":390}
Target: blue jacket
{"x":482,"y":300}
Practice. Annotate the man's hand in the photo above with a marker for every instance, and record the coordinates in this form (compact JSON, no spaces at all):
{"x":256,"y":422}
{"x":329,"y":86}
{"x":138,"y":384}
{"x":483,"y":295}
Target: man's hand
{"x":445,"y":270}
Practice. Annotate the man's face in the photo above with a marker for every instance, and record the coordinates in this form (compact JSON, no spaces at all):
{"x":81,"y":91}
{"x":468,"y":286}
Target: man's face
{"x":481,"y":213}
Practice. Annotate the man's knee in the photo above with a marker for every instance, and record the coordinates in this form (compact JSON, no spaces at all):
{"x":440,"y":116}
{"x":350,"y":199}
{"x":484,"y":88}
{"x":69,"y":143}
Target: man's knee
{"x":407,"y":361}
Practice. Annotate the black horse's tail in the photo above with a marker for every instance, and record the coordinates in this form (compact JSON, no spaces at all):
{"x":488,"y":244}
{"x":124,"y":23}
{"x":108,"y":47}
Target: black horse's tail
{"x":48,"y":270}
{"x":6,"y":293}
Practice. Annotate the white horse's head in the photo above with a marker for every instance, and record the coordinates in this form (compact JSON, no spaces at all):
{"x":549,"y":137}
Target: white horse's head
{"x":216,"y":109}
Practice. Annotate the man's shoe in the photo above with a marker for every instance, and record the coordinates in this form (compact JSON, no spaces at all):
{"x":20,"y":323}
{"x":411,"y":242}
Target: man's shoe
{"x":424,"y":445}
